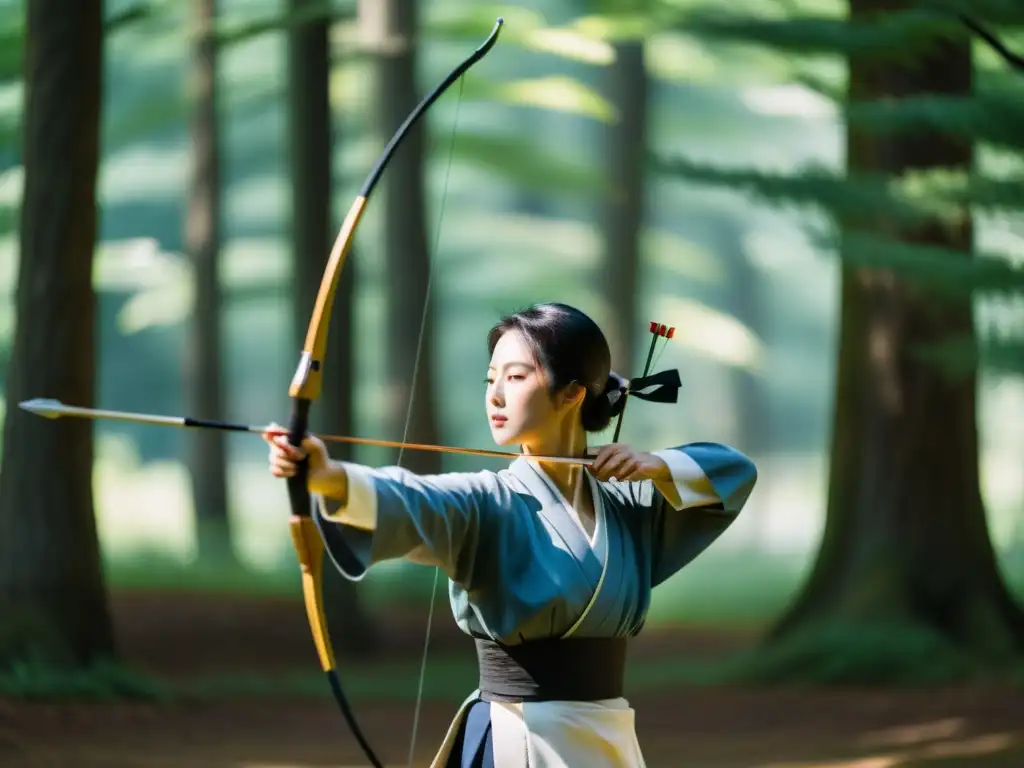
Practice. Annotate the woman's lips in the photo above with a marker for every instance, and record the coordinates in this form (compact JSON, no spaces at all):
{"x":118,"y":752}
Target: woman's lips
{"x":498,"y":421}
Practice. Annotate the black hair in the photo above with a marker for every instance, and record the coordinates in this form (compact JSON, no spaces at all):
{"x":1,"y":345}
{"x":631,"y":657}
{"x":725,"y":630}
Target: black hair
{"x":572,"y":349}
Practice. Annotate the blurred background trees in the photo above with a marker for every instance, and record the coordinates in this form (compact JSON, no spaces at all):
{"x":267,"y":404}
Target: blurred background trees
{"x":823,"y":198}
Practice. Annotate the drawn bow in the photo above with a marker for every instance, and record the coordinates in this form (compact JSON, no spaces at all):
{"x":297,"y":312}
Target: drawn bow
{"x":305,"y":388}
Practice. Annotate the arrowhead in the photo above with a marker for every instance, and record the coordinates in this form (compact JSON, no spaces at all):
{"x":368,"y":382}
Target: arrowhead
{"x":46,"y":407}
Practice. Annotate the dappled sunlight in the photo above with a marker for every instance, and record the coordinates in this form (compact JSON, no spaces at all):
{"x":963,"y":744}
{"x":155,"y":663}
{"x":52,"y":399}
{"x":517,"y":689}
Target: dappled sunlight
{"x":876,"y":761}
{"x":134,"y":264}
{"x":152,"y":172}
{"x":973,"y":747}
{"x":263,"y":200}
{"x":159,"y":281}
{"x":259,"y":515}
{"x":258,"y":57}
{"x":163,"y":305}
{"x":680,"y":59}
{"x":12,"y":184}
{"x":149,"y":508}
{"x":680,"y":257}
{"x":907,"y":735}
{"x":575,"y":243}
{"x":557,"y":93}
{"x":140,"y":508}
{"x":977,"y":747}
{"x":784,"y":251}
{"x":787,"y":101}
{"x":711,"y":333}
{"x":255,"y":261}
{"x":570,"y":44}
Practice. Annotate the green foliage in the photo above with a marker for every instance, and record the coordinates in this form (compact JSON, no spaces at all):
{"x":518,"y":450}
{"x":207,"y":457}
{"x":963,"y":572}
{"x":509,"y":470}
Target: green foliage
{"x":992,"y":117}
{"x":999,"y":12}
{"x":865,"y":197}
{"x":234,"y":32}
{"x":33,"y":678}
{"x":996,"y":118}
{"x":526,"y":167}
{"x":897,"y":36}
{"x":12,"y":36}
{"x":155,"y":569}
{"x":858,"y":654}
{"x":958,"y":357}
{"x":941,"y":270}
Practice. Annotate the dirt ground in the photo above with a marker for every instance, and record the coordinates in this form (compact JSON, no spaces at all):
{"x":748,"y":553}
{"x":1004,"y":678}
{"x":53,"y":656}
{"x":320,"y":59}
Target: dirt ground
{"x":185,"y":636}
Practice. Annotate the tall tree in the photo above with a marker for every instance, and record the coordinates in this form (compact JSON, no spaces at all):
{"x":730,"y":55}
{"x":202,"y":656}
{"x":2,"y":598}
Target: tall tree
{"x":622,"y":219}
{"x":905,"y":535}
{"x":52,"y":595}
{"x":906,"y":543}
{"x":310,"y":143}
{"x":391,"y":32}
{"x":207,"y":456}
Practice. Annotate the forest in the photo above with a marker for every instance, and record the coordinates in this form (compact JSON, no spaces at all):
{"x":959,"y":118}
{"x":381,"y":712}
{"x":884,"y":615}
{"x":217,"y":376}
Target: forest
{"x":823,"y":199}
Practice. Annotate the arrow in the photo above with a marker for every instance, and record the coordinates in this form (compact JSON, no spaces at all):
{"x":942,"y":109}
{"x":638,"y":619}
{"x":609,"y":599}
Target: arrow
{"x":49,"y":408}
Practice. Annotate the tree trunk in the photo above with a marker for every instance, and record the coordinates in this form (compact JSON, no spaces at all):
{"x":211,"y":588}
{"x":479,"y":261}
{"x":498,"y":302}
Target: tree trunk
{"x":207,"y":455}
{"x":309,"y":110}
{"x":743,"y":292}
{"x":906,"y":541}
{"x":391,"y":31}
{"x":52,"y":595}
{"x":623,"y":215}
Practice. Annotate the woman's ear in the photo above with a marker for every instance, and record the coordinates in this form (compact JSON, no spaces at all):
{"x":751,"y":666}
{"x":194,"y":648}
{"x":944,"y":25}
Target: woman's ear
{"x":572,"y":395}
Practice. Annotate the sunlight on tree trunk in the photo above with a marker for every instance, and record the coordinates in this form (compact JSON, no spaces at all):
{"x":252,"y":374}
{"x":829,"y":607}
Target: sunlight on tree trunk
{"x":207,"y":459}
{"x":390,"y":33}
{"x":622,"y":220}
{"x":52,"y":596}
{"x":906,"y":543}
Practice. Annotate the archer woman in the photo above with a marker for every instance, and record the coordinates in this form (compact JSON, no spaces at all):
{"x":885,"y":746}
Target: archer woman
{"x":550,"y":565}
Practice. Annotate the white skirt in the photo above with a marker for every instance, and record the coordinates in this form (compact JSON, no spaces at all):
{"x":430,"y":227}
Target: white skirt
{"x":556,"y":734}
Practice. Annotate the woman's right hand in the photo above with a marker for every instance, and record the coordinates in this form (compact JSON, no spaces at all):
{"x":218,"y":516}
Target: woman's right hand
{"x":284,"y":456}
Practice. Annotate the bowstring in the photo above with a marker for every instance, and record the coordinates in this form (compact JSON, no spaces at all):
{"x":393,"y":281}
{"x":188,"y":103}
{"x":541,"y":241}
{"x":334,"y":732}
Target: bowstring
{"x":408,"y":414}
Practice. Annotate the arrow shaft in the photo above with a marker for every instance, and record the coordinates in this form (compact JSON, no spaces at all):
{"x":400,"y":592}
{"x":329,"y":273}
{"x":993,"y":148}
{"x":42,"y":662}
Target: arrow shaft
{"x":187,"y":422}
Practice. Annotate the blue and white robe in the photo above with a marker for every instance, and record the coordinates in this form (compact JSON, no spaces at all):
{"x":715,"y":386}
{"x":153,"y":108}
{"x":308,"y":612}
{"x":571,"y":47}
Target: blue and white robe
{"x":522,"y":567}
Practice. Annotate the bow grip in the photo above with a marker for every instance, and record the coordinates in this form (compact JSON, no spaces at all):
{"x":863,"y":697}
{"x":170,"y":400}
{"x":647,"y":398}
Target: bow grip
{"x":298,"y":490}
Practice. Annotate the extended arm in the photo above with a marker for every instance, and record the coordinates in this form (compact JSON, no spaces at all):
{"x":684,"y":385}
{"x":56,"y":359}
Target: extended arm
{"x":389,"y":513}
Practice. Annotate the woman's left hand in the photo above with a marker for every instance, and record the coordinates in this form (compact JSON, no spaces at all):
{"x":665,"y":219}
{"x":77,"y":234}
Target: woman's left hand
{"x":617,"y":461}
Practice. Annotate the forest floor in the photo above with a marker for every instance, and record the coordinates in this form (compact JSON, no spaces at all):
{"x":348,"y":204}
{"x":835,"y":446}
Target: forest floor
{"x":223,"y":646}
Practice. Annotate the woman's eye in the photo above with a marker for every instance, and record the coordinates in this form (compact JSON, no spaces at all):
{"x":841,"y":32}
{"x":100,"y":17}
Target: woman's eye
{"x":516,"y":377}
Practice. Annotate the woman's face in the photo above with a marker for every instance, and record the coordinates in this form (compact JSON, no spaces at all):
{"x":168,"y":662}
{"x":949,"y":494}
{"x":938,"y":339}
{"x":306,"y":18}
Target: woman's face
{"x":520,"y":408}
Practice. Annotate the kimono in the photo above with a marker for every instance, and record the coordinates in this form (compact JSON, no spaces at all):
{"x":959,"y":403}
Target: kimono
{"x":521,"y":567}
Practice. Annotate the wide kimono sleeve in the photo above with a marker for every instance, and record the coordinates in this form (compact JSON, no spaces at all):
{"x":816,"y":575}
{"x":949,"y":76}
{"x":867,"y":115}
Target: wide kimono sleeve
{"x":391,"y":513}
{"x":711,"y":484}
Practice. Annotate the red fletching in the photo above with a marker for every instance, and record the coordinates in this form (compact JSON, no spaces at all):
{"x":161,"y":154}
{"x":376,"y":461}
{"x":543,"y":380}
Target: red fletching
{"x":671,"y":333}
{"x":662,"y":329}
{"x":654,"y":327}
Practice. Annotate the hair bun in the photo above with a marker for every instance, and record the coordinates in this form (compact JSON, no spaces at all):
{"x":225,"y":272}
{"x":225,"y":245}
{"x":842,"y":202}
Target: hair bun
{"x":615,"y":383}
{"x":615,"y":392}
{"x":600,"y":408}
